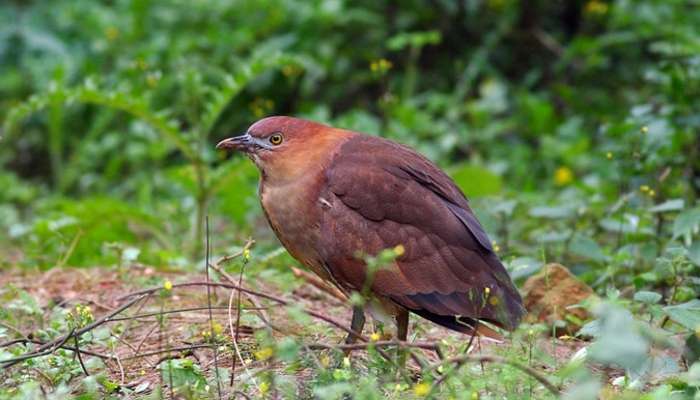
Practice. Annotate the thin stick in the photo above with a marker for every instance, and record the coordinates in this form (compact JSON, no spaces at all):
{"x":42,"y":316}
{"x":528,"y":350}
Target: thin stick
{"x":43,"y":350}
{"x":212,"y":334}
{"x":279,"y":300}
{"x":461,"y":360}
{"x":217,"y":267}
{"x":238,"y":319}
{"x":276,"y":299}
{"x":12,"y":328}
{"x":65,"y":346}
{"x":169,"y":350}
{"x":237,"y":350}
{"x":80,"y":358}
{"x":51,"y":346}
{"x":122,"y":375}
{"x":319,"y":284}
{"x":146,"y":336}
{"x":177,"y":311}
{"x":384,"y":343}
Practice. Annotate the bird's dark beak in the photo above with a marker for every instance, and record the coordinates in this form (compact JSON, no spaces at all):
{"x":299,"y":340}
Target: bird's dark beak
{"x":242,"y":143}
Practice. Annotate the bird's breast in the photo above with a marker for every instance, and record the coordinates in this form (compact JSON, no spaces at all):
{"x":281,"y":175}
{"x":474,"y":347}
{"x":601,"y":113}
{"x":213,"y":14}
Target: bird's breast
{"x":293,"y":212}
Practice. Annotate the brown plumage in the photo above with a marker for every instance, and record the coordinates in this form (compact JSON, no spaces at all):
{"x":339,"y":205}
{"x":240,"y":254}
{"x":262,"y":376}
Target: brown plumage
{"x":331,"y":194}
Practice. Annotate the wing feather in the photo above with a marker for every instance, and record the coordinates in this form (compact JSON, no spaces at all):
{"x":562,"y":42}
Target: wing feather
{"x":384,"y":194}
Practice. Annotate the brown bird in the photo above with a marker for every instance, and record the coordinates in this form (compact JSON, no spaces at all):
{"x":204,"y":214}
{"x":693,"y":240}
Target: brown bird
{"x":332,"y":195}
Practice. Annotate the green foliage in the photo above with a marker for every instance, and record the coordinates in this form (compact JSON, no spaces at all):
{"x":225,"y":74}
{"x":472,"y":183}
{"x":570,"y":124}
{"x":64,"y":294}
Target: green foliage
{"x":184,"y":376}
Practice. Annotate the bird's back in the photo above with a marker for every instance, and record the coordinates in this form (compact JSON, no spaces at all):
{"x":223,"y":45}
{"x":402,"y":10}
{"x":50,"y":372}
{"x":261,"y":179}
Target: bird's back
{"x":378,"y":194}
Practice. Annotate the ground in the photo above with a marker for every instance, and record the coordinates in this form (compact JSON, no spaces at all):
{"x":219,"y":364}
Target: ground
{"x":141,"y":341}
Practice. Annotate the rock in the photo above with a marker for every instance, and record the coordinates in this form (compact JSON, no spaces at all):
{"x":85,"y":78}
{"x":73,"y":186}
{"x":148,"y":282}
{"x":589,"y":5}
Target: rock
{"x":552,"y":297}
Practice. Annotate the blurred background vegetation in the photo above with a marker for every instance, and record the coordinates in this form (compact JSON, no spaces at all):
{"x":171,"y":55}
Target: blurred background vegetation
{"x":573,"y":126}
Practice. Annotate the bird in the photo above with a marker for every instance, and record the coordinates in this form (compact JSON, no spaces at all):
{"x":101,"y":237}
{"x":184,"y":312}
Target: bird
{"x":335,"y":197}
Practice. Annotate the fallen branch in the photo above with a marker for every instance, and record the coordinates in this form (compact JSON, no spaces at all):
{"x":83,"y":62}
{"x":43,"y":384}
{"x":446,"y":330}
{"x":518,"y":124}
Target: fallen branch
{"x":384,"y":343}
{"x":53,"y":345}
{"x":42,"y":351}
{"x":461,"y":360}
{"x":319,"y":284}
{"x":276,"y":299}
{"x":64,"y":346}
{"x":177,"y":311}
{"x":168,"y":350}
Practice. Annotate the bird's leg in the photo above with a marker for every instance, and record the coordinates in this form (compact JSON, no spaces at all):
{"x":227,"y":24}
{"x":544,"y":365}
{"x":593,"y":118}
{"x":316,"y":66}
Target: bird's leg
{"x":401,"y":334}
{"x":402,"y":325}
{"x":358,"y":322}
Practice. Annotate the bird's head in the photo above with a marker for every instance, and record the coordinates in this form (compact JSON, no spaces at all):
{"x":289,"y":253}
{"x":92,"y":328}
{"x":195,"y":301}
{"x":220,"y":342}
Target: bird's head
{"x":284,"y":147}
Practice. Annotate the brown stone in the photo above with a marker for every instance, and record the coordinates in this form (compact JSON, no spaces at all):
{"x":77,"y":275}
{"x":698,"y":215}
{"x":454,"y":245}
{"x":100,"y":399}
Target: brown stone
{"x":553,"y":296}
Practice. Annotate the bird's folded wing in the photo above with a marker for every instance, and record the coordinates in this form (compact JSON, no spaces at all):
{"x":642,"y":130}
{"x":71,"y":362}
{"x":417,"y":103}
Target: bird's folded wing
{"x":383,"y":195}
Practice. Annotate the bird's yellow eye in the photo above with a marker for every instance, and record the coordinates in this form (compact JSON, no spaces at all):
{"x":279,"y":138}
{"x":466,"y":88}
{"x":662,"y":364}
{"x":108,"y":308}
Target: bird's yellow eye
{"x":276,"y":139}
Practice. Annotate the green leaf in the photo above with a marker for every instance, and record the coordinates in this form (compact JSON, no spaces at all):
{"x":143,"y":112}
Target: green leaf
{"x":585,"y":246}
{"x":287,"y":349}
{"x":619,"y":341}
{"x":669,"y":205}
{"x":686,"y":314}
{"x":693,"y":375}
{"x":413,"y":39}
{"x":183,"y":372}
{"x":523,"y":267}
{"x":694,"y":253}
{"x":647,"y":297}
{"x":476,"y":181}
{"x":235,"y":83}
{"x":686,"y":223}
{"x":334,"y":391}
{"x":505,"y":207}
{"x":553,"y":212}
{"x":586,"y":390}
{"x":234,"y":189}
{"x":630,"y":224}
{"x":297,"y":314}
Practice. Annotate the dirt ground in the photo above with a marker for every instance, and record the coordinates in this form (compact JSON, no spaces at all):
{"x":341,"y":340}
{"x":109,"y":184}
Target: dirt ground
{"x":142,"y":342}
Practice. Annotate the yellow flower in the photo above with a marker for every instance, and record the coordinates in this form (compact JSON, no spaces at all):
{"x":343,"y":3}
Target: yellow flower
{"x":152,"y":79}
{"x":496,"y":247}
{"x":261,"y":106}
{"x":325,"y":360}
{"x":264,"y":353}
{"x":217,"y":328}
{"x":264,"y":387}
{"x":246,"y":254}
{"x":609,"y":155}
{"x":563,"y":176}
{"x":596,"y":7}
{"x":374,"y":337}
{"x":167,"y":285}
{"x":399,"y":250}
{"x":652,"y":193}
{"x":290,"y":70}
{"x":112,"y":33}
{"x":421,"y":389}
{"x":487,"y":291}
{"x":475,"y":395}
{"x":645,"y":129}
{"x":380,"y":66}
{"x":141,"y":64}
